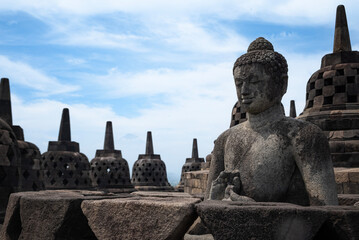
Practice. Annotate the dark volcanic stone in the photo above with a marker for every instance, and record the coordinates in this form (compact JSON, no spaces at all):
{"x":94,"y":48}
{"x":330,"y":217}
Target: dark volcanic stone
{"x":194,"y":163}
{"x":149,"y":171}
{"x":48,"y":215}
{"x":144,"y":218}
{"x":229,"y":220}
{"x":108,"y":168}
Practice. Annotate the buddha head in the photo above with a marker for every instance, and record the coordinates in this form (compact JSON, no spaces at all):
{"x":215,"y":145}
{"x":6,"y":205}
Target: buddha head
{"x":261,"y":77}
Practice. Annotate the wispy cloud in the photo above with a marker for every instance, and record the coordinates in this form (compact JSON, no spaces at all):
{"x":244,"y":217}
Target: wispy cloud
{"x":24,"y":74}
{"x":297,"y":10}
{"x":206,"y":80}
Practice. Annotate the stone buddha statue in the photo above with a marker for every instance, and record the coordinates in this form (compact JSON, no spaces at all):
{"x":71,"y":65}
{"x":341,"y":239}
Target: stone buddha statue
{"x":269,"y":157}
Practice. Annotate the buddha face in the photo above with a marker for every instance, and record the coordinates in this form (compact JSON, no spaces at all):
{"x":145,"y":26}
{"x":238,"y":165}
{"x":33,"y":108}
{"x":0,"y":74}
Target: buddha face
{"x":255,"y":89}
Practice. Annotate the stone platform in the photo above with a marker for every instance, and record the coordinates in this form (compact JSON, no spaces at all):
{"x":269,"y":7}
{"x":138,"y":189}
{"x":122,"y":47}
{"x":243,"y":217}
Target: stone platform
{"x":91,"y":215}
{"x":347,"y":180}
{"x":195,"y":182}
{"x":279,"y":221}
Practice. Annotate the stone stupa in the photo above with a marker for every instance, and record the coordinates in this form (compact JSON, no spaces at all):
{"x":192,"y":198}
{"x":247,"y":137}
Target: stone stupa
{"x":108,"y":169}
{"x":238,"y":115}
{"x":292,"y":110}
{"x":194,"y":163}
{"x":149,"y":171}
{"x":31,"y":174}
{"x":64,"y":166}
{"x":332,"y":97}
{"x":10,"y":158}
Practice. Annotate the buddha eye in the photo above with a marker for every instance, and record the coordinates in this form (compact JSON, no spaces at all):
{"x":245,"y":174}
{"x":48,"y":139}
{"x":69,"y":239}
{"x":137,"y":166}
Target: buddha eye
{"x":239,"y":83}
{"x":254,"y":80}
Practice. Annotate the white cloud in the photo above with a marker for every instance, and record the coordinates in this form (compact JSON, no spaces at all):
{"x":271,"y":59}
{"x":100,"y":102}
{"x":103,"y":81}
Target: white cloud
{"x":94,"y":38}
{"x":294,"y":11}
{"x":194,"y":37}
{"x":23,"y":74}
{"x":75,"y":61}
{"x":204,"y":80}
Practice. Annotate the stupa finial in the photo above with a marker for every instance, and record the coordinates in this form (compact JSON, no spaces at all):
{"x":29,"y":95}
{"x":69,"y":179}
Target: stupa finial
{"x":293,"y":111}
{"x":194,"y":149}
{"x":65,"y":130}
{"x":108,"y":144}
{"x":341,"y":35}
{"x":5,"y":101}
{"x":149,"y":144}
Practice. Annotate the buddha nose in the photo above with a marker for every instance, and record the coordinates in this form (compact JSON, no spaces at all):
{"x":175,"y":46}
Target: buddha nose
{"x":245,"y":89}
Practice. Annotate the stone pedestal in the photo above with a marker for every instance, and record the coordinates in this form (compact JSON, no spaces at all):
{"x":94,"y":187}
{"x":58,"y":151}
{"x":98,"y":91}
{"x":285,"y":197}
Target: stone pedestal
{"x":92,"y":215}
{"x":234,"y":220}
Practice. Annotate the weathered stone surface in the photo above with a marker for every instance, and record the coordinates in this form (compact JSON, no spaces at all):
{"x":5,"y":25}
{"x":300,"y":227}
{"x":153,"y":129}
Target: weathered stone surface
{"x":347,"y":180}
{"x":332,"y":101}
{"x":48,"y":215}
{"x":198,"y":237}
{"x":348,"y":199}
{"x":269,"y":157}
{"x":65,"y":167}
{"x":140,"y":217}
{"x":195,"y":182}
{"x":233,"y":220}
{"x":194,"y":163}
{"x":343,"y":222}
{"x":149,"y":171}
{"x":108,"y":169}
{"x":161,"y":194}
{"x":10,"y":165}
{"x":198,"y":228}
{"x":11,"y":228}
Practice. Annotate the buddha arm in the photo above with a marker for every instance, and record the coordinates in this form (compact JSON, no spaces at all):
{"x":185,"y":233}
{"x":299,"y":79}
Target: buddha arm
{"x":313,"y":159}
{"x":217,"y":162}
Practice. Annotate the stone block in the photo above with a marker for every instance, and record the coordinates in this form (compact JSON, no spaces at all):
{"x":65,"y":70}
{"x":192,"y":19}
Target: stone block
{"x":329,"y":74}
{"x":47,"y":215}
{"x":340,"y":188}
{"x":198,"y":237}
{"x":344,"y":222}
{"x":350,"y":188}
{"x":231,"y":220}
{"x":341,"y":177}
{"x":140,"y":218}
{"x":197,"y":191}
{"x":354,"y":175}
{"x":348,"y":199}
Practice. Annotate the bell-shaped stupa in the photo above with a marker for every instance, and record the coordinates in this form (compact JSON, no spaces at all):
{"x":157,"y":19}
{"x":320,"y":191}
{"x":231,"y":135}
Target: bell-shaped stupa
{"x":194,"y":163}
{"x":108,"y":169}
{"x":31,"y":174}
{"x":10,"y":158}
{"x":64,"y":166}
{"x":149,"y":171}
{"x":332,"y":97}
{"x":238,"y":115}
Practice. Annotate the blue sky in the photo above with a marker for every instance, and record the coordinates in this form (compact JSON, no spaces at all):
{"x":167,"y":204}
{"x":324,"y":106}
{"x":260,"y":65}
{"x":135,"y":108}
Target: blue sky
{"x":163,"y":66}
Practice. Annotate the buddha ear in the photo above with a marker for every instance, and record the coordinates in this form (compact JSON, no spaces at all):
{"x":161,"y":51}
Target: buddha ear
{"x":285,"y":83}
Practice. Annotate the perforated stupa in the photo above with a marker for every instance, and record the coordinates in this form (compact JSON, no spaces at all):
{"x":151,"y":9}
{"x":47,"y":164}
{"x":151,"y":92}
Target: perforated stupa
{"x":64,"y":166}
{"x":108,"y":168}
{"x":194,"y":163}
{"x":149,"y":171}
{"x":332,"y":100}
